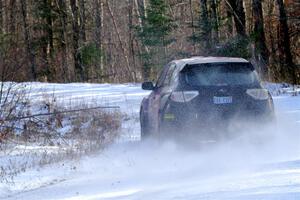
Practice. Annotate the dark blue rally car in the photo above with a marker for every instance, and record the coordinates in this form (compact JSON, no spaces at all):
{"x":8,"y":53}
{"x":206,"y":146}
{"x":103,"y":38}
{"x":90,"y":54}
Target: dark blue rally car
{"x":201,"y":93}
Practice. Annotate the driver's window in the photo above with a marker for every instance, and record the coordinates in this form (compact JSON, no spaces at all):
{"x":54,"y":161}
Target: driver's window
{"x":162,"y":76}
{"x":169,"y":74}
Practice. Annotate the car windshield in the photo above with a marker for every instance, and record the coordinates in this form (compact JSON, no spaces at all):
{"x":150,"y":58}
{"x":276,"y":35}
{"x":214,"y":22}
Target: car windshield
{"x":220,"y":74}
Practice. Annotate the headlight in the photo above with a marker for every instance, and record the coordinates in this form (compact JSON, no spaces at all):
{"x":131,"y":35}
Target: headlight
{"x":258,"y":94}
{"x":183,"y":96}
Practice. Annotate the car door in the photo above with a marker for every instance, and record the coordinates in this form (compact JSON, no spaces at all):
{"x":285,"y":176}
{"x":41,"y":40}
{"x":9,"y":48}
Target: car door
{"x":157,"y":96}
{"x":167,"y":87}
{"x":154,"y":100}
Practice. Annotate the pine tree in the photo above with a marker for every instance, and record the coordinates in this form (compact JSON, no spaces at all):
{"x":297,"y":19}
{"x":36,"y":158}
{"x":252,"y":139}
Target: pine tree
{"x":203,"y":29}
{"x":155,"y":33}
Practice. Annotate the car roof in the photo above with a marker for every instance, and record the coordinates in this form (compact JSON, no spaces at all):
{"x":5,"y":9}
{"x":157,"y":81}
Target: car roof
{"x":203,"y":60}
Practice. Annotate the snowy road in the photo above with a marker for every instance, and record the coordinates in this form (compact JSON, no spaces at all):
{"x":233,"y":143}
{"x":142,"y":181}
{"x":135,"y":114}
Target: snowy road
{"x":241,"y":169}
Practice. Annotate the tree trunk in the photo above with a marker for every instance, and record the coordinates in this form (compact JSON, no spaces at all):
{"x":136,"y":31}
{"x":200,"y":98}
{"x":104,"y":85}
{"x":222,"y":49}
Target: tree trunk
{"x":260,"y":49}
{"x":192,"y":23}
{"x":98,"y":35}
{"x":214,"y":21}
{"x":49,"y":28}
{"x":204,"y":25}
{"x":240,"y":19}
{"x":29,"y":47}
{"x":1,"y":17}
{"x":284,"y":48}
{"x":273,"y":60}
{"x":131,"y":37}
{"x":82,"y":34}
{"x":109,"y":57}
{"x":44,"y":25}
{"x":229,"y":22}
{"x":63,"y":42}
{"x":12,"y":20}
{"x":237,"y":9}
{"x":141,"y":5}
{"x":98,"y":23}
{"x":130,"y":78}
{"x":79,"y":70}
{"x":82,"y":21}
{"x":143,"y":50}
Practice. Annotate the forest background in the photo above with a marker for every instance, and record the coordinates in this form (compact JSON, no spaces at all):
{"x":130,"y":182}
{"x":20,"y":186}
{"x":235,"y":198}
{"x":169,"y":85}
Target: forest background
{"x":130,"y":40}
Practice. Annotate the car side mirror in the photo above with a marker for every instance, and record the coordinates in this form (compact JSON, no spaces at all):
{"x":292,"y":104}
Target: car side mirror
{"x":147,"y":86}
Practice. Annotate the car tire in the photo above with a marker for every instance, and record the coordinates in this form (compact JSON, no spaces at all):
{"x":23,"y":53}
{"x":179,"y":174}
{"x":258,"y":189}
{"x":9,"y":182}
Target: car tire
{"x":145,"y":128}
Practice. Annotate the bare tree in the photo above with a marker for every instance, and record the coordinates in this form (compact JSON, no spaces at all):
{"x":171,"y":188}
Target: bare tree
{"x":29,"y":46}
{"x":12,"y":19}
{"x":100,"y":40}
{"x":261,"y":52}
{"x":131,"y":37}
{"x":192,"y":22}
{"x":62,"y":10}
{"x":204,"y":25}
{"x":229,"y":21}
{"x":82,"y":20}
{"x":143,"y":49}
{"x":285,"y":56}
{"x":79,"y":70}
{"x":1,"y":17}
{"x":49,"y":26}
{"x":214,"y":21}
{"x":98,"y":34}
{"x":273,"y":60}
{"x":237,"y":9}
{"x":128,"y":69}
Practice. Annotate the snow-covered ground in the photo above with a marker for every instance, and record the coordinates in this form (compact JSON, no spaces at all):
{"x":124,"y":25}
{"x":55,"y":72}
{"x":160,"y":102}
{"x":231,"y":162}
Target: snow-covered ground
{"x":126,"y":96}
{"x":238,"y":169}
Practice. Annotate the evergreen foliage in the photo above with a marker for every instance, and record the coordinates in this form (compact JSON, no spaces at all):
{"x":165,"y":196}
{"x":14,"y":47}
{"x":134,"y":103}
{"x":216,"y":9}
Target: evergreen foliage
{"x":90,"y":54}
{"x":157,"y":25}
{"x":155,"y":34}
{"x":125,"y":41}
{"x":235,"y":47}
{"x":203,"y":29}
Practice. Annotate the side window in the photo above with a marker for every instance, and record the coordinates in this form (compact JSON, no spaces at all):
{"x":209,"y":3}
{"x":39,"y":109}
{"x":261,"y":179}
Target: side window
{"x":162,"y":76}
{"x":175,"y":76}
{"x":169,"y":75}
